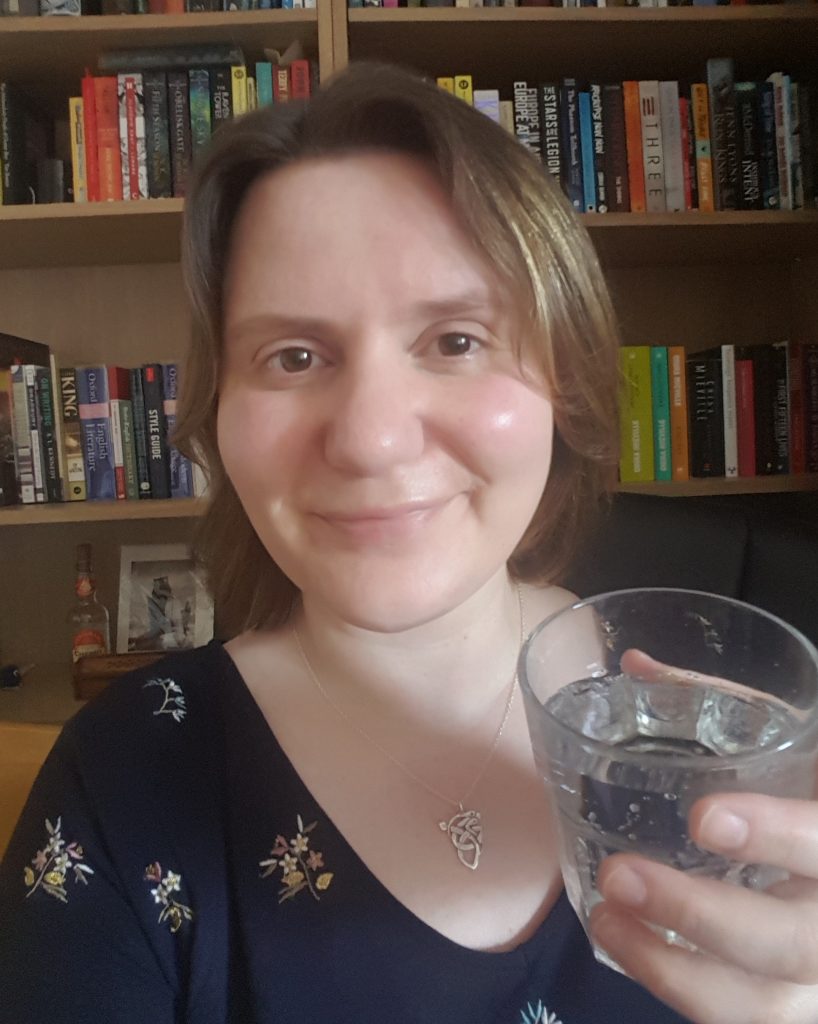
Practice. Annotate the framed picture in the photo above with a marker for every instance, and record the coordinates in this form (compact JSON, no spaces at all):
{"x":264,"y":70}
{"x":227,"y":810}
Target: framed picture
{"x":163,"y":603}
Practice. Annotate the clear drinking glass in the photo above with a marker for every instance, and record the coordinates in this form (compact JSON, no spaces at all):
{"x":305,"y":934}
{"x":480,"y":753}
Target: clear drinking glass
{"x":641,"y":701}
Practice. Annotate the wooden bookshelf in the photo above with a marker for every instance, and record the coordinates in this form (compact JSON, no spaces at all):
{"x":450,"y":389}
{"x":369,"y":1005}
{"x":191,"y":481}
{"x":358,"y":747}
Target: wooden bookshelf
{"x":702,"y":487}
{"x":100,"y":511}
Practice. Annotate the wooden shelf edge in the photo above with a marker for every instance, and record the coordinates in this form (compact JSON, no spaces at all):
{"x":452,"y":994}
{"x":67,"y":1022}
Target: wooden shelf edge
{"x":100,"y":511}
{"x":106,"y":23}
{"x":731,"y":14}
{"x":702,"y":487}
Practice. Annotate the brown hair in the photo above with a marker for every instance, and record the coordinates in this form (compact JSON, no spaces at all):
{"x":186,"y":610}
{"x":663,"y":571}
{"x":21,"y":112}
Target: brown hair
{"x":511,"y":209}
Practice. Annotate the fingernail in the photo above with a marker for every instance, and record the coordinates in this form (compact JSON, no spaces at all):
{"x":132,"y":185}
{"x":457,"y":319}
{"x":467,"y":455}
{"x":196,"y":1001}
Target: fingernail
{"x":723,"y":830}
{"x":623,"y":885}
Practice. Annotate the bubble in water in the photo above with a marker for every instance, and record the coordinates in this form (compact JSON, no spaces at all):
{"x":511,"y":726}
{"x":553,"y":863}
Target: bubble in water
{"x":670,"y":796}
{"x":632,"y":836}
{"x":633,"y":808}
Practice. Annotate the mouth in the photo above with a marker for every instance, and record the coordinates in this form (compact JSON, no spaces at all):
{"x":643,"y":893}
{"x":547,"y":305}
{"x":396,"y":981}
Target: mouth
{"x":385,"y":522}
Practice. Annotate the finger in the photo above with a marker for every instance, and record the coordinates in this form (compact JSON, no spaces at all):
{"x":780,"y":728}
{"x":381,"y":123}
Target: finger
{"x":759,"y":829}
{"x":696,"y":986}
{"x":719,"y":918}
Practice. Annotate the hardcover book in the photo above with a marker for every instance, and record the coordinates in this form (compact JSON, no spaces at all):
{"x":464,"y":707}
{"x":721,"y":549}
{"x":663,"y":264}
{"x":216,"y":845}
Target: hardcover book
{"x":706,"y":414}
{"x":527,"y":117}
{"x":75,"y":489}
{"x":599,"y":148}
{"x":156,"y":430}
{"x":95,"y":424}
{"x":586,"y":139}
{"x":108,"y":149}
{"x":200,"y":117}
{"x":635,"y":414}
{"x":157,"y":135}
{"x":179,"y":118}
{"x":724,"y":134}
{"x":570,"y":144}
{"x":704,"y":161}
{"x":616,"y":152}
{"x":672,"y":146}
{"x":652,"y":151}
{"x":181,"y":473}
{"x":660,"y":398}
{"x":679,"y":451}
{"x":23,"y":141}
{"x":48,"y":434}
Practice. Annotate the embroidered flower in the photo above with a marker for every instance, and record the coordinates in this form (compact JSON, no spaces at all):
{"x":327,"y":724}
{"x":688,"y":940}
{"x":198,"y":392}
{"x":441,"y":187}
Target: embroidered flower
{"x":297,"y":873}
{"x":538,"y":1015}
{"x":174,"y":702}
{"x":53,"y":864}
{"x":172,"y":911}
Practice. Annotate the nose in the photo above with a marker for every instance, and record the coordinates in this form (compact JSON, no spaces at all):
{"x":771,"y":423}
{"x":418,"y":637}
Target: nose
{"x":374,"y":418}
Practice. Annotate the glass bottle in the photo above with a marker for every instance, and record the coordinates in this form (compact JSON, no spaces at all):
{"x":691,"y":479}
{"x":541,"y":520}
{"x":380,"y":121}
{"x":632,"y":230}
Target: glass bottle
{"x":87,"y":618}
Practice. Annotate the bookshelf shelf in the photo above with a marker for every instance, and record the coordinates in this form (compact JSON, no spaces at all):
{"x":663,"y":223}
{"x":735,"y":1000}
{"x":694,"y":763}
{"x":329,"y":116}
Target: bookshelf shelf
{"x":148,"y":231}
{"x":66,"y":46}
{"x":497,"y":44}
{"x":100,"y":511}
{"x":722,"y":486}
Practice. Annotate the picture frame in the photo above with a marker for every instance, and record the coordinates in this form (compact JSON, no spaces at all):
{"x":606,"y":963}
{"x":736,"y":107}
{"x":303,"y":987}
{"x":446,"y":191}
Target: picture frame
{"x":163,"y":602}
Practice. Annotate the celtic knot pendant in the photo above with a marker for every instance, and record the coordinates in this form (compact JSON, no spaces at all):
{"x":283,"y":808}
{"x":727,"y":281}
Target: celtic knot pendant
{"x":466,"y":833}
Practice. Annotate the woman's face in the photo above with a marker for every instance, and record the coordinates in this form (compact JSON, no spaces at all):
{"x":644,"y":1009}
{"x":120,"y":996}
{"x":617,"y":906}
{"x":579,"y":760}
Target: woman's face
{"x":373,"y":418}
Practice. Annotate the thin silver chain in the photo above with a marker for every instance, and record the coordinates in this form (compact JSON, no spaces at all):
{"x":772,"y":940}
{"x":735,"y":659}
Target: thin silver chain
{"x":406,"y":771}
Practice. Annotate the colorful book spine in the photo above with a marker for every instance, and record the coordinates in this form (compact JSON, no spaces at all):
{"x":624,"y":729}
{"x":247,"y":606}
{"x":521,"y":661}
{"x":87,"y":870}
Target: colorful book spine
{"x":602,"y":204}
{"x":281,"y":84}
{"x":586,"y":136}
{"x":89,"y":134}
{"x":157,"y":134}
{"x":570,"y":142}
{"x":30,"y":377}
{"x":179,"y":120}
{"x":75,"y":489}
{"x":238,"y":89}
{"x":745,"y":416}
{"x":704,"y":160}
{"x":108,"y":150}
{"x":652,"y":153}
{"x":660,"y":404}
{"x":728,"y":402}
{"x":487,"y":101}
{"x":119,"y":391}
{"x":22,"y":436}
{"x":633,"y":144}
{"x":463,"y":88}
{"x":679,"y":450}
{"x":181,"y":473}
{"x":79,"y":177}
{"x":636,"y":415}
{"x":156,"y":430}
{"x":140,"y":432}
{"x":300,"y":85}
{"x":672,"y":146}
{"x":264,"y":83}
{"x":48,"y":434}
{"x":724,"y":134}
{"x":200,"y":116}
{"x":446,"y":83}
{"x":95,"y":423}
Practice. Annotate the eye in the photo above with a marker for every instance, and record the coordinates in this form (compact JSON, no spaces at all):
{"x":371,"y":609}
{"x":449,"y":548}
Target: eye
{"x":457,"y":343}
{"x":295,"y":359}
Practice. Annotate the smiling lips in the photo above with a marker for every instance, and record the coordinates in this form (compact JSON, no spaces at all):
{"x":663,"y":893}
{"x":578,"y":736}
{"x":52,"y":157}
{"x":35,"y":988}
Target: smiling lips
{"x":392,"y":521}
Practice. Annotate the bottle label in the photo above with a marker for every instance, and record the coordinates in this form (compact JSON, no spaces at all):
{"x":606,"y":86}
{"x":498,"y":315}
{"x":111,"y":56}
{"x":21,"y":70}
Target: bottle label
{"x":87,"y":641}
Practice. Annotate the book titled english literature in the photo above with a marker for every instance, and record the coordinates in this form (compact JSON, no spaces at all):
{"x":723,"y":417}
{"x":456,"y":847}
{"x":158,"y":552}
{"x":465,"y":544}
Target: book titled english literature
{"x":95,"y":425}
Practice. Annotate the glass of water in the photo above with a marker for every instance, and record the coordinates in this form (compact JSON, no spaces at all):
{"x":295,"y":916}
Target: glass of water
{"x":641,"y":701}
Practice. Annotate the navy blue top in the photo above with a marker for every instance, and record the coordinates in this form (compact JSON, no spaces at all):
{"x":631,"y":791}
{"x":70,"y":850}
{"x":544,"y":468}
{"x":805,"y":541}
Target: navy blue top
{"x":171,"y":866}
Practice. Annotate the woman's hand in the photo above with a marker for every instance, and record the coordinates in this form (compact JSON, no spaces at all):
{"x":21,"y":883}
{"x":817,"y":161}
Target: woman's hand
{"x":758,"y":959}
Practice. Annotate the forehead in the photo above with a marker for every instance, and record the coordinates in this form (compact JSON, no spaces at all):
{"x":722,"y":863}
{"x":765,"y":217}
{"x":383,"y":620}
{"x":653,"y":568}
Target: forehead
{"x":370,"y":230}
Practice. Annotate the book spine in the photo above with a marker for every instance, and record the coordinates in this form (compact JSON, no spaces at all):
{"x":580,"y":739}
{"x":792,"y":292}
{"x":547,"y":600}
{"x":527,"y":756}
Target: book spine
{"x":768,"y":155}
{"x":158,"y":462}
{"x":679,"y":449}
{"x":200,"y":117}
{"x":58,"y":430}
{"x":810,"y":371}
{"x":124,"y":137}
{"x":688,"y":153}
{"x":706,"y":416}
{"x":129,"y":450}
{"x":95,"y":422}
{"x":724,"y":137}
{"x":300,"y":79}
{"x":281,"y":84}
{"x":795,"y":375}
{"x":672,"y":146}
{"x":157,"y":135}
{"x":108,"y":151}
{"x":9,"y":490}
{"x":550,"y":129}
{"x":526,"y":117}
{"x":179,"y":118}
{"x":48,"y":434}
{"x":181,"y":479}
{"x":90,"y":142}
{"x":602,"y":202}
{"x":633,"y":146}
{"x":118,"y":448}
{"x":221,"y":108}
{"x":487,"y":101}
{"x":781,"y":408}
{"x":635,"y":414}
{"x":22,"y":436}
{"x":704,"y":160}
{"x":140,"y":434}
{"x":728,"y":401}
{"x":783,"y":144}
{"x":12,"y":152}
{"x":264,"y":83}
{"x":745,"y":417}
{"x":764,"y":402}
{"x":72,"y":436}
{"x":749,"y":146}
{"x":570,"y":141}
{"x":652,"y":154}
{"x":238,"y":89}
{"x":586,"y":134}
{"x":616,"y":152}
{"x":79,"y":178}
{"x":446,"y":83}
{"x":660,"y":396}
{"x":137,"y":149}
{"x":30,"y":377}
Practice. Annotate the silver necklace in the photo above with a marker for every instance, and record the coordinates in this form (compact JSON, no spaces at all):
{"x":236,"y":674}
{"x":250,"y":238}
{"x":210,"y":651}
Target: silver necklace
{"x":465,"y":827}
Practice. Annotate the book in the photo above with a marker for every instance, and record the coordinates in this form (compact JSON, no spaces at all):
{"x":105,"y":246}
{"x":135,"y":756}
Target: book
{"x":598,"y":134}
{"x":75,"y":486}
{"x":783,"y":142}
{"x":701,"y":131}
{"x":181,"y":473}
{"x":796,"y":176}
{"x":571,"y":153}
{"x":749,"y":146}
{"x":745,"y":415}
{"x":764,"y":406}
{"x":119,"y":393}
{"x":660,"y":404}
{"x":669,"y":117}
{"x":526,"y":117}
{"x":724,"y":135}
{"x":691,"y":192}
{"x":37,"y":458}
{"x":201,"y":127}
{"x":300,"y":85}
{"x":157,"y":135}
{"x":238,"y":89}
{"x":706,"y":414}
{"x":677,"y":375}
{"x":221,"y":96}
{"x":23,"y":141}
{"x":156,"y":430}
{"x":281,"y":83}
{"x":487,"y":101}
{"x":635,"y":414}
{"x":446,"y":83}
{"x":586,"y":138}
{"x":47,"y":431}
{"x":9,"y":491}
{"x":140,"y":431}
{"x":89,"y":131}
{"x":76,"y":127}
{"x":549,"y":129}
{"x":798,"y":463}
{"x":768,"y":147}
{"x":131,"y":101}
{"x":728,"y":387}
{"x":264,"y":83}
{"x":652,"y":152}
{"x":781,"y":406}
{"x":633,"y":146}
{"x":179,"y":130}
{"x":108,"y":150}
{"x":22,"y":435}
{"x":616,"y":153}
{"x":810,"y":372}
{"x":95,"y":425}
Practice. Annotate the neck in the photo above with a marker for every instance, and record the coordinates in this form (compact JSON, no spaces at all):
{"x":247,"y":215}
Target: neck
{"x":454,"y":670}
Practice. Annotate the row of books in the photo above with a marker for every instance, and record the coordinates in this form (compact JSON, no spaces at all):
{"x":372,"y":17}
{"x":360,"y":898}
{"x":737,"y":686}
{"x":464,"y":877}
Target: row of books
{"x":657,"y":146}
{"x":101,"y":433}
{"x":80,"y":8}
{"x":727,"y":411}
{"x":564,"y":3}
{"x":136,"y":128}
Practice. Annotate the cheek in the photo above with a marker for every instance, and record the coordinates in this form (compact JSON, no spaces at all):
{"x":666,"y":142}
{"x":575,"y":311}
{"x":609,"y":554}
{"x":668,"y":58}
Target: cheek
{"x":248,"y":438}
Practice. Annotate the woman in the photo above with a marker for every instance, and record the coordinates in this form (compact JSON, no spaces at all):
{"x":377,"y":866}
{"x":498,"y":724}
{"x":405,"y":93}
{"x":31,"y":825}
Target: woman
{"x":402,"y":381}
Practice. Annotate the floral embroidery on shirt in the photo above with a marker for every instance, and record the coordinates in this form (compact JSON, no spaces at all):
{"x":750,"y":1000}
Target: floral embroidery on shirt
{"x":172,"y":911}
{"x":53,"y":864}
{"x":538,"y":1015}
{"x":298,"y":866}
{"x":174,"y":702}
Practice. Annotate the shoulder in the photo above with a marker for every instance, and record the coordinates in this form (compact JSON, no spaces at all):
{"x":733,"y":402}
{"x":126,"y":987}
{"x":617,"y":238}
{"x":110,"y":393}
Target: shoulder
{"x":539,"y":602}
